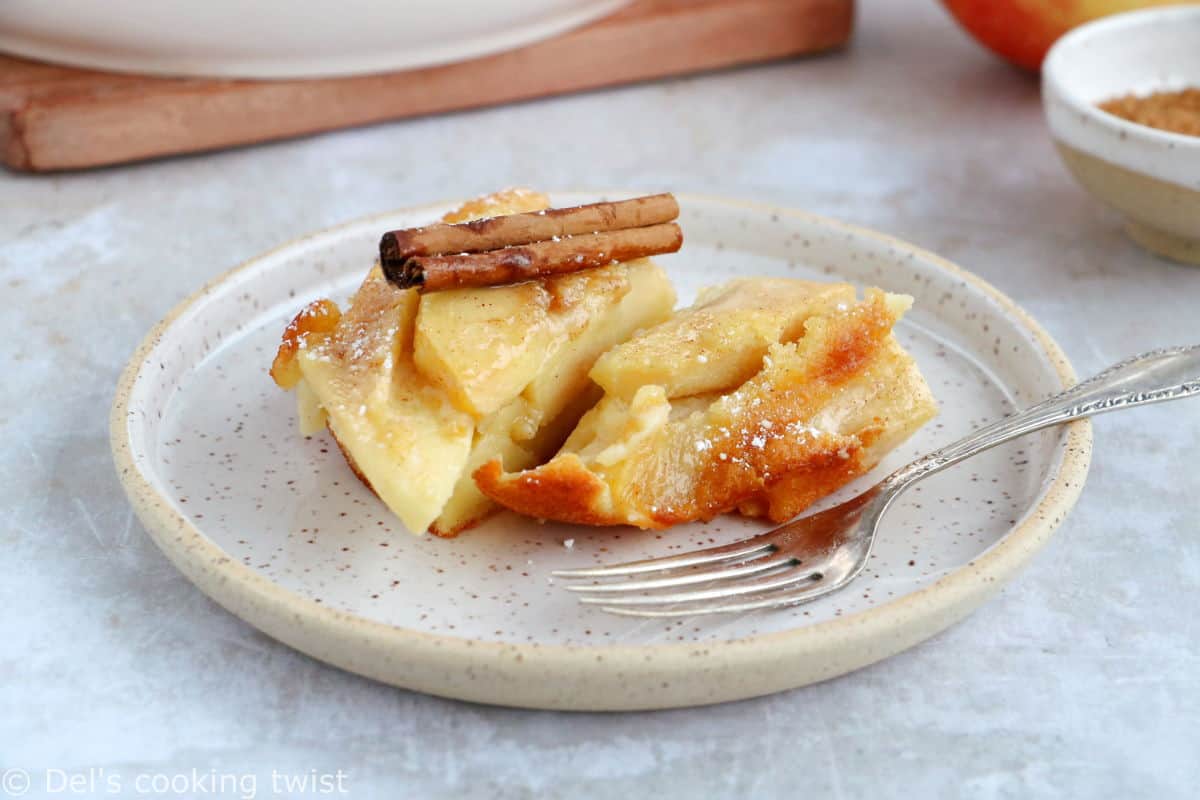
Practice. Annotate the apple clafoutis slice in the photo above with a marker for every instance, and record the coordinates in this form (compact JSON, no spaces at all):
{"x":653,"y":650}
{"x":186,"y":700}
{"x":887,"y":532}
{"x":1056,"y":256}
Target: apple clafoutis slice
{"x":764,"y":396}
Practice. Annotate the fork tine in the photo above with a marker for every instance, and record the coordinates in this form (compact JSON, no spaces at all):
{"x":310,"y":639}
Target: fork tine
{"x":703,"y":576}
{"x":790,"y":578}
{"x":774,"y":600}
{"x":738,"y":550}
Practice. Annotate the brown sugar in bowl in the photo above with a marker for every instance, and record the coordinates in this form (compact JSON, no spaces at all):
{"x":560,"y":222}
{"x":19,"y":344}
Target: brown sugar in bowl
{"x":1174,"y":111}
{"x":1151,"y":176}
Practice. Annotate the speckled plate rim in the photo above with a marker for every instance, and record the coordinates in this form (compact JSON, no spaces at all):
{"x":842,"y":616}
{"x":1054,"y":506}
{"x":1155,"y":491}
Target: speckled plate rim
{"x":608,"y":677}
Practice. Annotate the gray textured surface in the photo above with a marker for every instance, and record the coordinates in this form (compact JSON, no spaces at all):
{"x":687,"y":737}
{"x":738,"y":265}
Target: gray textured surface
{"x":1082,"y":679}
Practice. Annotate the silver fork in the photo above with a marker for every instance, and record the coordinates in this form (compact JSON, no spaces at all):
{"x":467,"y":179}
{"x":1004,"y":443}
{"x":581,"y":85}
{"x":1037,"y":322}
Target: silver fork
{"x":812,"y":556}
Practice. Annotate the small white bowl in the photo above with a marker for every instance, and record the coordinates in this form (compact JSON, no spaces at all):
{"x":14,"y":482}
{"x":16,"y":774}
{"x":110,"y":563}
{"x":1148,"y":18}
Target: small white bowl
{"x":1149,"y":175}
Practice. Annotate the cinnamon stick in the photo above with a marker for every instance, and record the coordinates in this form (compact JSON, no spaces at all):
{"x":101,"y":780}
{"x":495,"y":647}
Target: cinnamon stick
{"x":494,"y":233}
{"x":432,"y":273}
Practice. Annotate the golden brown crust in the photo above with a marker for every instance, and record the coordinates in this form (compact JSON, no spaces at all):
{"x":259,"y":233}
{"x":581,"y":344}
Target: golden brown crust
{"x":566,"y":491}
{"x":562,"y":490}
{"x":452,"y":532}
{"x":763,"y":486}
{"x":806,"y":465}
{"x":792,"y":472}
{"x":795,"y":491}
{"x":854,"y":345}
{"x":318,"y":318}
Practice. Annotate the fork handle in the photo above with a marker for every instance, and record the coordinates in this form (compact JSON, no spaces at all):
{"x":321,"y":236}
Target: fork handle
{"x":1152,"y":377}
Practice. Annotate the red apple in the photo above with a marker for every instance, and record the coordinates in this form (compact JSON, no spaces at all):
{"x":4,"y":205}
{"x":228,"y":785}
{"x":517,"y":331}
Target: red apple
{"x":1023,"y":30}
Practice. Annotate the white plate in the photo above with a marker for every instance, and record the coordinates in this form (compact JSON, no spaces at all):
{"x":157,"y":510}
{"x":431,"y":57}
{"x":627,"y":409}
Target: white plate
{"x":280,"y":38}
{"x":277,"y":529}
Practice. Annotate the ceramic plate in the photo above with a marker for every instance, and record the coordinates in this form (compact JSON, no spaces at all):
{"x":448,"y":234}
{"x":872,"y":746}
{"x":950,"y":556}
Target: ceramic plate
{"x":276,"y":528}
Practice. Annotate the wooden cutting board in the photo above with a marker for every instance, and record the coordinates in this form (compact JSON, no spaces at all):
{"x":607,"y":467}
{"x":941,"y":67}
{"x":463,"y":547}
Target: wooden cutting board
{"x":55,"y":118}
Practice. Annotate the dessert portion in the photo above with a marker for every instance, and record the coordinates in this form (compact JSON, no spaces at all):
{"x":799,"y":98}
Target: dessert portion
{"x":530,"y":359}
{"x":763,"y":397}
{"x":420,"y":389}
